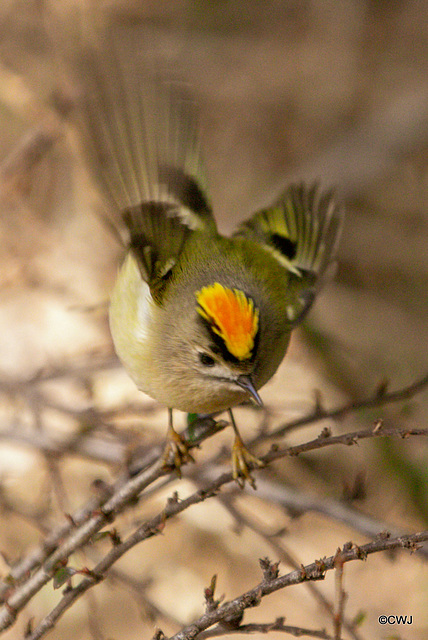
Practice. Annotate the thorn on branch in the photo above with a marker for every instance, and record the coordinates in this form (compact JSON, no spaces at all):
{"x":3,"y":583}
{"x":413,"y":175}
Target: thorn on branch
{"x":107,"y":515}
{"x":384,"y":535}
{"x":112,"y":534}
{"x":325,"y":433}
{"x":270,"y":569}
{"x":173,"y":500}
{"x":90,"y":574}
{"x":159,"y":635}
{"x":361,"y":554}
{"x":210,"y":603}
{"x":115,"y":537}
{"x":278,"y":625}
{"x":378,"y":425}
{"x":321,"y":568}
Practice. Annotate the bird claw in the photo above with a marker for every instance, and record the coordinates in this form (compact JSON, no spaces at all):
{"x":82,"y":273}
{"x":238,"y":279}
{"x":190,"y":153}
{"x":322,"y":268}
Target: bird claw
{"x":176,"y":452}
{"x":241,"y":458}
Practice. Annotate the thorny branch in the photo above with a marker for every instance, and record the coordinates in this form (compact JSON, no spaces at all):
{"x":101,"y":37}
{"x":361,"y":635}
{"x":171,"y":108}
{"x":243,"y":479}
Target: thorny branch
{"x":230,"y":610}
{"x":278,"y":625}
{"x":284,"y":556}
{"x":298,"y":501}
{"x":313,"y":571}
{"x":97,"y":521}
{"x":378,"y":399}
{"x":83,"y":525}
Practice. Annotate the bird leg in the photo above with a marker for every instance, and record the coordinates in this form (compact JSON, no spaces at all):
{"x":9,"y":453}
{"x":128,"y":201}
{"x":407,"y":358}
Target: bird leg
{"x":241,"y":458}
{"x":176,"y":452}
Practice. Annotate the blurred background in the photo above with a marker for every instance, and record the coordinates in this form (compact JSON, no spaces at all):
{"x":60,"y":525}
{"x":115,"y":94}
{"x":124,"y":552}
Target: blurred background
{"x":334,"y":91}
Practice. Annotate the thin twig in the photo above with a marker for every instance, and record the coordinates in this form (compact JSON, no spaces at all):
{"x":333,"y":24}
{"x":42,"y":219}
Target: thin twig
{"x":278,"y":625}
{"x":340,"y":597}
{"x":89,"y":520}
{"x":314,"y":571}
{"x":121,"y":498}
{"x":347,"y":439}
{"x":376,"y":400}
{"x":156,"y":525}
{"x":284,"y":555}
{"x":95,"y":448}
{"x":298,"y":501}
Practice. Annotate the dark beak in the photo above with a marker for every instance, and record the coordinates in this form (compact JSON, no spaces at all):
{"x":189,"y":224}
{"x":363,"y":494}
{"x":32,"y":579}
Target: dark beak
{"x":246,"y":383}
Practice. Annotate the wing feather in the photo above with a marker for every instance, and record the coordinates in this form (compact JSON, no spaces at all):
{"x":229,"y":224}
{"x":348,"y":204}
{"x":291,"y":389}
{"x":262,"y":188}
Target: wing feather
{"x":139,"y":133}
{"x":301,"y":231}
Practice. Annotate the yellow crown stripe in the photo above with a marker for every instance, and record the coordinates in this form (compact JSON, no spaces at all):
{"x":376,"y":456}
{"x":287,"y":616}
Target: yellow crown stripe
{"x":232,"y":316}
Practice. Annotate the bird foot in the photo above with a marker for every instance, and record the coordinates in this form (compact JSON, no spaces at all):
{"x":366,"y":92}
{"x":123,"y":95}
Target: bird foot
{"x":176,"y":452}
{"x":241,"y":459}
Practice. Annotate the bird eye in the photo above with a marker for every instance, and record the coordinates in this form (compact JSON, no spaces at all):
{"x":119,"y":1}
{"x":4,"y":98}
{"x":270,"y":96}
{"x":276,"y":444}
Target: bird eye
{"x":206,"y":360}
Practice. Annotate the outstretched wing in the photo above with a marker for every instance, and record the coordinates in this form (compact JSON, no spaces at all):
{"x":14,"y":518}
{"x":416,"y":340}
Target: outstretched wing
{"x":139,"y":134}
{"x":301,"y":230}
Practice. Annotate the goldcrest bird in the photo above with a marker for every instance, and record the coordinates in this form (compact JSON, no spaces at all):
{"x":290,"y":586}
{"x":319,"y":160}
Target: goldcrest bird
{"x":200,"y":321}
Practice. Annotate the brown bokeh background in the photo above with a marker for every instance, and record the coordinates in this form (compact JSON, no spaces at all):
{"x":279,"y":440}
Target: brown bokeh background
{"x":336,"y":91}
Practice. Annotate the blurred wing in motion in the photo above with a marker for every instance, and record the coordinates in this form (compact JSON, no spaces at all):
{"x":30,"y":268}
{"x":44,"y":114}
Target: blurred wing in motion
{"x":139,"y":134}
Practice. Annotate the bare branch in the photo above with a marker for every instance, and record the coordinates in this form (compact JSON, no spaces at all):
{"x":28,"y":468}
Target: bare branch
{"x":314,"y":571}
{"x":285,"y":556}
{"x":98,"y":512}
{"x":376,"y":400}
{"x":278,"y":625}
{"x":340,"y":595}
{"x":298,"y":501}
{"x":147,"y":530}
{"x":347,"y":439}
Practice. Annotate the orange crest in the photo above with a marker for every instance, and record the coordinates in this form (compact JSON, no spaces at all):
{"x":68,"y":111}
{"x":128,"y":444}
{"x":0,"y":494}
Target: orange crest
{"x":232,"y":316}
